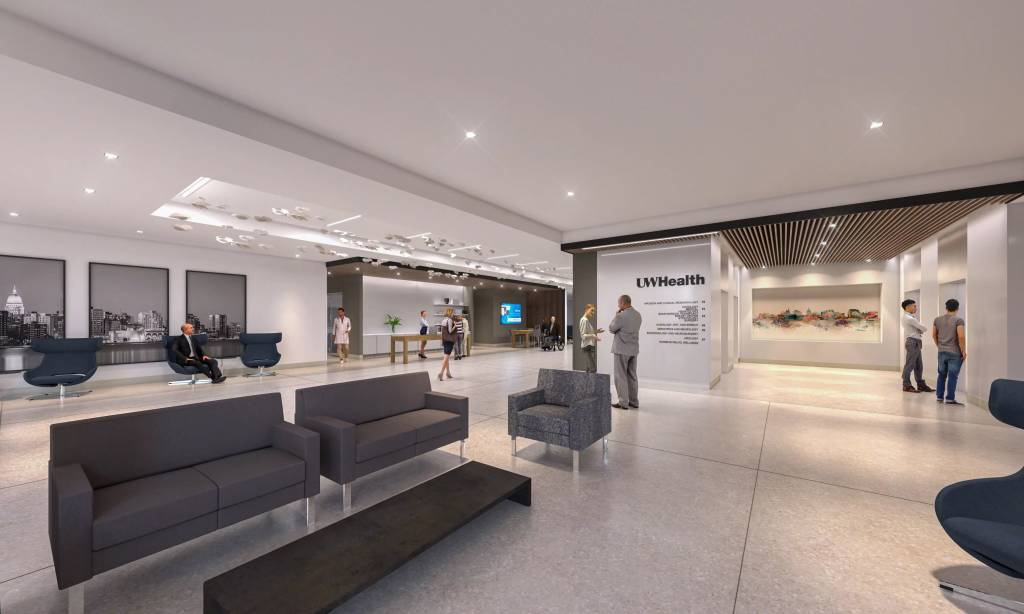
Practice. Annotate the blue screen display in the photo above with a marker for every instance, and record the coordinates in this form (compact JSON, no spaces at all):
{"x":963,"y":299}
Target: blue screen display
{"x":511,"y":313}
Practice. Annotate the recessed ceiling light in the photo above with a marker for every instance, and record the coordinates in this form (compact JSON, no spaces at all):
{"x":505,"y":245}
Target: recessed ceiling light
{"x":470,"y":134}
{"x":13,"y":214}
{"x":570,"y":193}
{"x":868,"y":260}
{"x":398,"y":274}
{"x":764,"y":266}
{"x":875,"y":125}
{"x":817,"y":255}
{"x":110,"y":155}
{"x":501,"y":285}
{"x":298,"y":256}
{"x":832,"y":225}
{"x":139,"y":232}
{"x":357,"y":268}
{"x":520,"y":288}
{"x":812,"y":264}
{"x":824,"y":242}
{"x":329,"y":273}
{"x":90,"y":190}
{"x":348,"y":219}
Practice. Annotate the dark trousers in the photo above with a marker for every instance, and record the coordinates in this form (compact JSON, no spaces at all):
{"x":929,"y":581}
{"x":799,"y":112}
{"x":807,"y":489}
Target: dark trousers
{"x":914,"y":362}
{"x":590,"y":359}
{"x":949,"y":372}
{"x":207,"y":367}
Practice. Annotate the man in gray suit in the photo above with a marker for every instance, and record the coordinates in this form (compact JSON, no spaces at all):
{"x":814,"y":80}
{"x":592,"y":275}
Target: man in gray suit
{"x":625,"y":346}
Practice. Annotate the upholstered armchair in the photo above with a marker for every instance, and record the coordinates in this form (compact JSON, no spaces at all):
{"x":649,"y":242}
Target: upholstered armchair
{"x":572,"y":409}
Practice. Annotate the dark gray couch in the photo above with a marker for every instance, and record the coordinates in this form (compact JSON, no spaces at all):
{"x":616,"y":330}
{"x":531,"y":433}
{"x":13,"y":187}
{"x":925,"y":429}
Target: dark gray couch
{"x":125,"y":486}
{"x":572,"y":409}
{"x":367,"y":425}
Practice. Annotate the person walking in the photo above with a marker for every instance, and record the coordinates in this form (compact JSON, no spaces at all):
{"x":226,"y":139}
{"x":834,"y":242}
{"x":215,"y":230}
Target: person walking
{"x":460,"y":335}
{"x":625,"y":327}
{"x":589,"y":338}
{"x":424,"y":329}
{"x":948,"y":334}
{"x":912,"y":331}
{"x":448,"y":337}
{"x":342,"y":327}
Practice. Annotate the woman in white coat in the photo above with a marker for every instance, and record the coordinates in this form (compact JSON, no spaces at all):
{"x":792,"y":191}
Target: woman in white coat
{"x":342,"y":327}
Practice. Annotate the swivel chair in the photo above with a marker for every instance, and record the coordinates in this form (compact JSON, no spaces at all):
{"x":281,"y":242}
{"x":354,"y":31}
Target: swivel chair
{"x":985,"y":517}
{"x":259,"y":351}
{"x":66,"y":362}
{"x":183,"y":369}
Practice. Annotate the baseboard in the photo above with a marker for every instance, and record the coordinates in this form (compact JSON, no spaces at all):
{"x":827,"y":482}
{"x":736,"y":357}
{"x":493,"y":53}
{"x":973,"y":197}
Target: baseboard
{"x":828,"y":365}
{"x":979,"y":401}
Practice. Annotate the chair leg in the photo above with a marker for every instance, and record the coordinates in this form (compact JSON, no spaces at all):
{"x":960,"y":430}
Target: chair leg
{"x":189,"y":382}
{"x":462,"y":450}
{"x":575,"y":461}
{"x":1004,"y":602}
{"x":310,"y":511}
{"x":513,"y":446}
{"x":61,"y":394}
{"x":346,"y":497}
{"x":76,"y":599}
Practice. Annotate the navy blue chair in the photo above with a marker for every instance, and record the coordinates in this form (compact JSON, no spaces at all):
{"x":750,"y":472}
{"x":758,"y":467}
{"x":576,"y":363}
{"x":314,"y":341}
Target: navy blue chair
{"x":66,"y":362}
{"x":183,"y":369}
{"x":259,"y":351}
{"x":985,"y":517}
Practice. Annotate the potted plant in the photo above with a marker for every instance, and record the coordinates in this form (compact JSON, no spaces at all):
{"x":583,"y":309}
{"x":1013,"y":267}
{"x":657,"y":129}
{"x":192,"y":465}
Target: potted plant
{"x":392,"y":321}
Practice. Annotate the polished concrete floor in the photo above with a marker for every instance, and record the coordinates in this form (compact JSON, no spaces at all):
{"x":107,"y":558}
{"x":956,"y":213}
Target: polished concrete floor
{"x":785,"y":489}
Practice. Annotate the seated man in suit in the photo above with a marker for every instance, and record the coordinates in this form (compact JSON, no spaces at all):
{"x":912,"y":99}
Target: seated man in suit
{"x":189,"y":353}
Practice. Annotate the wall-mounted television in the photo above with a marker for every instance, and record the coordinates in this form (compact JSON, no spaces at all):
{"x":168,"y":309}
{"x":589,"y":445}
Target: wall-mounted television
{"x":511,"y":313}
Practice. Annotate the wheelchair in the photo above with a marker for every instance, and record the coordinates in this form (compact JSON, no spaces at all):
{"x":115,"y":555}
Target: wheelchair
{"x":552,"y":343}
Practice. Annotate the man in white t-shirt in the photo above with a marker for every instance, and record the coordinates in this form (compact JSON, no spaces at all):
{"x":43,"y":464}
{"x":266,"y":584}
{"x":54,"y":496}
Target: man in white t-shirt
{"x":912,"y":331}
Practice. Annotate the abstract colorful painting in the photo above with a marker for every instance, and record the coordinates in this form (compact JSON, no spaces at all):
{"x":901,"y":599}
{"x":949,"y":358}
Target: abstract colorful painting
{"x":843,"y":314}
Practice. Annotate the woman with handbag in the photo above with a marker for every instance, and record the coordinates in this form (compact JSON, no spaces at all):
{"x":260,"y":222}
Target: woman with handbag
{"x":448,"y":338}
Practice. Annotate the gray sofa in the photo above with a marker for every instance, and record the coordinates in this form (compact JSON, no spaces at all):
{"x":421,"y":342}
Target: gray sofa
{"x":572,"y":409}
{"x":367,"y":425}
{"x":125,"y":486}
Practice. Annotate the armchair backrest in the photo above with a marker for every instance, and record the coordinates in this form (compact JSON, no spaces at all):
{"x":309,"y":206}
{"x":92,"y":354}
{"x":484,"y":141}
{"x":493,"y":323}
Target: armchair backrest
{"x":1006,"y":401}
{"x":260,"y":346}
{"x":62,"y":356}
{"x":364,"y":400}
{"x":122,"y":447}
{"x":563,"y":387}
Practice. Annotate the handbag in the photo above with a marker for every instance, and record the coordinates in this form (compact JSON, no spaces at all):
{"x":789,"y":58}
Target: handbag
{"x":447,"y":336}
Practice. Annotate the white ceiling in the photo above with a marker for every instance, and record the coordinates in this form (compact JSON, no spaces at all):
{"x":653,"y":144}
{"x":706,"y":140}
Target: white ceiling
{"x":642,"y":109}
{"x":56,"y":131}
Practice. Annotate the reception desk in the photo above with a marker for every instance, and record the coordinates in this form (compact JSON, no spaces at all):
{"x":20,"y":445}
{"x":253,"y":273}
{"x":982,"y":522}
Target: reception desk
{"x":415,"y":339}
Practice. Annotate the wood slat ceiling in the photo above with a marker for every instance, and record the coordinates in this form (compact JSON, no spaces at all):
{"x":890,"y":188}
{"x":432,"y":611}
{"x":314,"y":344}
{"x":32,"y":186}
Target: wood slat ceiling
{"x":875,"y":235}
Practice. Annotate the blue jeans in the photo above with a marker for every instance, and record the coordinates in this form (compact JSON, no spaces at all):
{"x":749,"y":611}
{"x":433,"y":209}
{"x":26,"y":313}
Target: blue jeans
{"x":949,"y":371}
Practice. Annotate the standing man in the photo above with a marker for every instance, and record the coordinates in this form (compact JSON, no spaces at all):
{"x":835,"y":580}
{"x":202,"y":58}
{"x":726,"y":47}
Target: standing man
{"x":188,"y":353}
{"x":460,"y":335}
{"x":625,"y":347}
{"x":948,"y":334}
{"x":589,"y":338}
{"x":912,"y":330}
{"x":342,"y":326}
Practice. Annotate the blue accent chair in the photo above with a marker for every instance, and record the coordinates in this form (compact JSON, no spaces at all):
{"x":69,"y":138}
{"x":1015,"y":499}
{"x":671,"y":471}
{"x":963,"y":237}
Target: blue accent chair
{"x":66,"y":362}
{"x":985,"y":517}
{"x":183,"y":369}
{"x":259,"y":351}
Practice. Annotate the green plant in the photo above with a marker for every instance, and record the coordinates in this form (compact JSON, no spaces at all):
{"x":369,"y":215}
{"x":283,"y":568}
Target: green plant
{"x":392,"y":321}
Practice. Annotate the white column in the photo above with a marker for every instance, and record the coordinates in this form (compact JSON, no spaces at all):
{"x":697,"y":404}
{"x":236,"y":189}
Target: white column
{"x":929,"y":307}
{"x":988,"y":334}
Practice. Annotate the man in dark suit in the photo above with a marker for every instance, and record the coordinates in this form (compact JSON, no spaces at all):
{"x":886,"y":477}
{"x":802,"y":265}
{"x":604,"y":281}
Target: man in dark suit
{"x":188,"y":353}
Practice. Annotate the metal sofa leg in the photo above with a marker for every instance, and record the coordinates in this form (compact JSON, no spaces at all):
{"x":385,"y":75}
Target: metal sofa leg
{"x":61,"y":394}
{"x":462,"y":450}
{"x":346,"y":497}
{"x":1009,"y":604}
{"x":513,"y":446}
{"x":575,"y":461}
{"x":76,"y":599}
{"x":310,"y":511}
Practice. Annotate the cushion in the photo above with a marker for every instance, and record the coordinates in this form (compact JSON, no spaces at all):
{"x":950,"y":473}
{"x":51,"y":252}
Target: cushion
{"x":546,"y":418}
{"x":125,"y":511}
{"x":380,"y":437}
{"x":431,"y":423}
{"x":998,"y":541}
{"x":252,"y":474}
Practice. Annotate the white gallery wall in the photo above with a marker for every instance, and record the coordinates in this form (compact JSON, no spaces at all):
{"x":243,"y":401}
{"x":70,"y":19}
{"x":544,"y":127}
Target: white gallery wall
{"x":282,"y":294}
{"x":881,"y":355}
{"x":405,"y":299}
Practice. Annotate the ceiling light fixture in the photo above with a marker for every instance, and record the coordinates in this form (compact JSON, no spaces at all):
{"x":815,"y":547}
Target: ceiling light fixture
{"x":832,"y":225}
{"x":533,"y":263}
{"x":868,"y":260}
{"x":455,"y":249}
{"x":817,"y":255}
{"x":875,"y":125}
{"x":139,"y":232}
{"x":89,"y":190}
{"x":348,"y":219}
{"x":824,"y":242}
{"x":470,"y":134}
{"x":764,"y":266}
{"x":570,"y":193}
{"x":13,"y":214}
{"x":110,"y":155}
{"x":193,"y":187}
{"x":422,"y":234}
{"x":676,"y":238}
{"x":505,"y":256}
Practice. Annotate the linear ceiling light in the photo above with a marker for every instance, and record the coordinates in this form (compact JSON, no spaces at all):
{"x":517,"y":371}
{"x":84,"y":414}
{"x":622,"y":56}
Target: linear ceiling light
{"x":348,"y":219}
{"x":422,"y":234}
{"x":505,"y":256}
{"x":455,"y":249}
{"x":532,"y":263}
{"x":193,"y":187}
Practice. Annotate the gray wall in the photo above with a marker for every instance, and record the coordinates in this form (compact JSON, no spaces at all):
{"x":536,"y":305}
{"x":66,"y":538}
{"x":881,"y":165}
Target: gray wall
{"x":351,"y":288}
{"x":486,"y":305}
{"x":584,"y":290}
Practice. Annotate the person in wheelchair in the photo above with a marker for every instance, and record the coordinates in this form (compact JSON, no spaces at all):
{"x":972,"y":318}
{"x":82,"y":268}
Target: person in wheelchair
{"x":551,"y":336}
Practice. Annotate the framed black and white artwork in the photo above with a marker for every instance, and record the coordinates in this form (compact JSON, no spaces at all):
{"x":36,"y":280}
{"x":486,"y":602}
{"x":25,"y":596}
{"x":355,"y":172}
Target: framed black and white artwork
{"x":32,"y":290}
{"x":215,"y":305}
{"x":128,"y":309}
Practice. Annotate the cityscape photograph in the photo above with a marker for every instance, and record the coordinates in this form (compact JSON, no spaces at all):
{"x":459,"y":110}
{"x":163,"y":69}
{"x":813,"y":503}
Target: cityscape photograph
{"x":33,"y":308}
{"x":128,"y":309}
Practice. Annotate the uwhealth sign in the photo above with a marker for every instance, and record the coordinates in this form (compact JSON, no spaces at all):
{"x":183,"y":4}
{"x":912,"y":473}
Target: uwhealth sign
{"x":665,"y":280}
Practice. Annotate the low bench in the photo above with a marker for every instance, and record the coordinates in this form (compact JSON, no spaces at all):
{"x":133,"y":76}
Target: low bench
{"x":322,"y":570}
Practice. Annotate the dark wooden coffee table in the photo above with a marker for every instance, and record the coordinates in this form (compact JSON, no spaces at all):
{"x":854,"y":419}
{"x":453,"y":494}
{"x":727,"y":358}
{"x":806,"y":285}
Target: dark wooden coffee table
{"x":322,"y":570}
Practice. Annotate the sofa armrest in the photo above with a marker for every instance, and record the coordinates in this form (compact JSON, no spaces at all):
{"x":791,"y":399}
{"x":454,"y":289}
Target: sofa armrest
{"x":451,"y":402}
{"x":518,"y":401}
{"x":337,"y":447}
{"x":70,"y":520}
{"x":586,"y":421}
{"x":305,"y":444}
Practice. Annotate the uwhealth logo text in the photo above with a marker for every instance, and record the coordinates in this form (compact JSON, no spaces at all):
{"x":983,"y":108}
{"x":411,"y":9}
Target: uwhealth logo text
{"x":665,"y":280}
